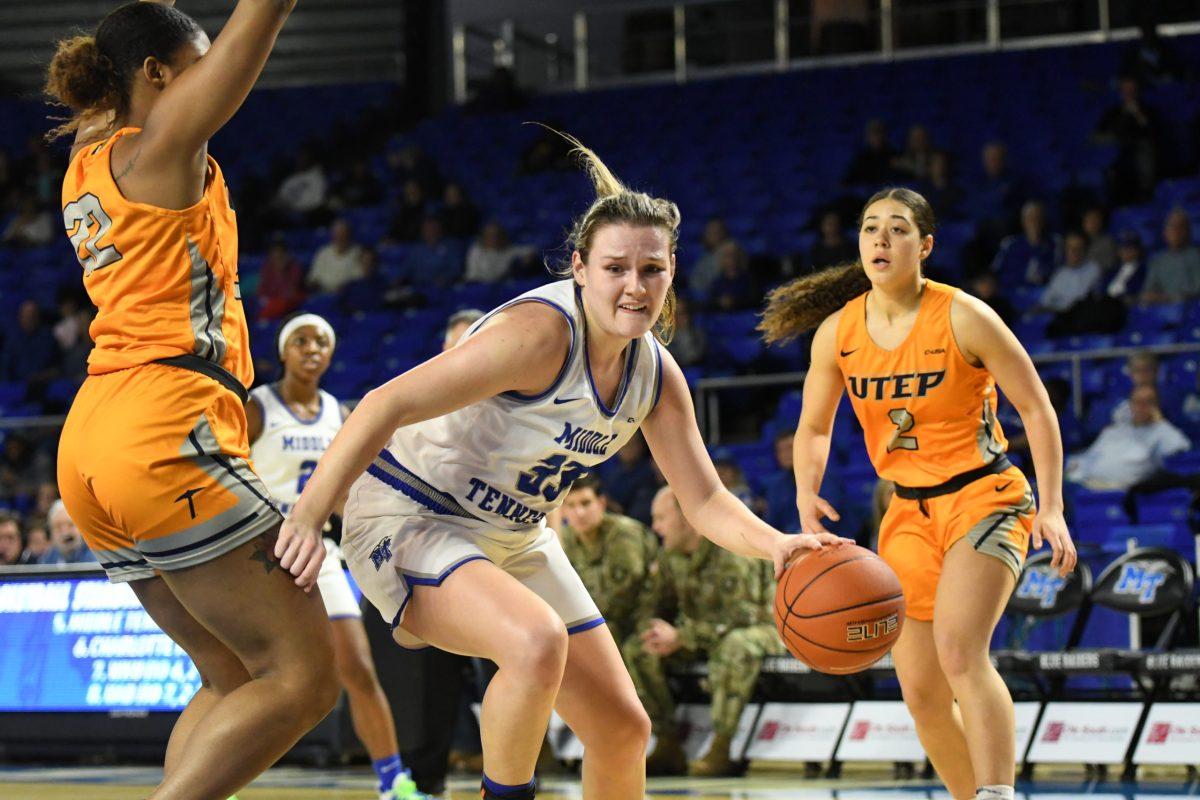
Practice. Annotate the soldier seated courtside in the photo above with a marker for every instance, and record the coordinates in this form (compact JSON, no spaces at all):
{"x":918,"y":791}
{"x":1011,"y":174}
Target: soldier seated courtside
{"x":720,"y":604}
{"x":614,"y":554}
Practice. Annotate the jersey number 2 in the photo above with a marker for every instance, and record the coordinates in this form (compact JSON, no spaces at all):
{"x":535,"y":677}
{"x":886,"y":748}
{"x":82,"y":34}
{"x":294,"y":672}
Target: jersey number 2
{"x":87,"y":223}
{"x":306,"y":471}
{"x":904,"y":423}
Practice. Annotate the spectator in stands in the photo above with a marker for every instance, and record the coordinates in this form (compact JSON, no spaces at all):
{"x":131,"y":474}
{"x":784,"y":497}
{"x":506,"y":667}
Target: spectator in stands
{"x":1143,"y":369}
{"x":303,"y":194}
{"x":689,"y":345}
{"x":22,"y":468}
{"x":406,"y":221}
{"x":986,"y":286}
{"x":457,"y":325}
{"x":1149,"y":58}
{"x":358,"y":187}
{"x":435,"y":260}
{"x":1126,"y":282}
{"x":735,"y":288}
{"x":628,"y":474}
{"x":370,"y":291}
{"x":942,"y":191}
{"x":833,"y":247}
{"x":410,"y":163}
{"x":47,"y":493}
{"x":1074,"y":279}
{"x":873,"y":164}
{"x":67,"y":545}
{"x":706,"y":270}
{"x":74,"y":358}
{"x":31,"y":227}
{"x":548,"y":152}
{"x":67,"y":329}
{"x":491,"y":257}
{"x":707,"y":603}
{"x":1127,"y":453}
{"x":995,"y":199}
{"x":781,"y":512}
{"x":44,"y":176}
{"x":338,"y":262}
{"x":915,"y":162}
{"x":733,"y":479}
{"x":11,"y":544}
{"x":459,"y":216}
{"x":37,"y":541}
{"x":616,"y":556}
{"x":1029,"y":256}
{"x":1102,"y":248}
{"x":1059,"y":392}
{"x":1174,"y":273}
{"x":30,"y":353}
{"x":281,"y":282}
{"x":1135,"y":128}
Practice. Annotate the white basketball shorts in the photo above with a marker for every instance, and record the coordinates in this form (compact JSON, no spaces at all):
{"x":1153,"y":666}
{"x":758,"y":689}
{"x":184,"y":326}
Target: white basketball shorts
{"x":392,"y":544}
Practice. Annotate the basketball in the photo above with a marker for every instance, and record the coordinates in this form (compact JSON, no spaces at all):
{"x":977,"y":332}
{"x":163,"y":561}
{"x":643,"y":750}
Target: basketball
{"x":839,"y":609}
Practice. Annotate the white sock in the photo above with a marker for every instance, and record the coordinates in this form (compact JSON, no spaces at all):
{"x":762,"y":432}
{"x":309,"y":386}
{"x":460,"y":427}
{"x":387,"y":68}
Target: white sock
{"x":995,"y":793}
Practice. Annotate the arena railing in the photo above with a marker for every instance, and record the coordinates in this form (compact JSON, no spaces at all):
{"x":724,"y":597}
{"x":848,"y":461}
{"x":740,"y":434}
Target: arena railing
{"x":576,"y":48}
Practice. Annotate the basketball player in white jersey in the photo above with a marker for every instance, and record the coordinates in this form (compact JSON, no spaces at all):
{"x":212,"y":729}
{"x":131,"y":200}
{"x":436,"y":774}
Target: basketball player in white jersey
{"x":452,"y":467}
{"x":290,"y":424}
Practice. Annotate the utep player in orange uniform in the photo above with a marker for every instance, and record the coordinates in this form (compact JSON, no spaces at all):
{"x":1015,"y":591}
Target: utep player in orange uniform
{"x":153,"y":457}
{"x":918,"y":358}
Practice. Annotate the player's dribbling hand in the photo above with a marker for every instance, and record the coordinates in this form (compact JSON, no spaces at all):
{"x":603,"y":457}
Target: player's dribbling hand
{"x":789,"y":547}
{"x":300,"y":551}
{"x":1049,"y":526}
{"x":812,"y":508}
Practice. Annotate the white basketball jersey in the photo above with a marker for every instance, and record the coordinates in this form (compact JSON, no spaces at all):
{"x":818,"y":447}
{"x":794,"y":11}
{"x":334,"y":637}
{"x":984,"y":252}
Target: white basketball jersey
{"x":288,"y":448}
{"x":509,"y":460}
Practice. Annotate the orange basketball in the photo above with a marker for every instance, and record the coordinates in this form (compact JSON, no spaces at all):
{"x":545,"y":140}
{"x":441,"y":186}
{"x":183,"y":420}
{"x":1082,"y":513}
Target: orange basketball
{"x":839,"y":609}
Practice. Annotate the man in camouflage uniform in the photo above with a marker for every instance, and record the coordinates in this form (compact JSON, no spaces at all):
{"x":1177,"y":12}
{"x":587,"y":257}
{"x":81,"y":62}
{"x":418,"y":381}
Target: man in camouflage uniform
{"x":721,"y":606}
{"x":613,"y":554}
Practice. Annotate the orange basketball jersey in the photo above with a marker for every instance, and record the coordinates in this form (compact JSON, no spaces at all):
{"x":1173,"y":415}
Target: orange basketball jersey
{"x":927,"y":414}
{"x":165,"y":282}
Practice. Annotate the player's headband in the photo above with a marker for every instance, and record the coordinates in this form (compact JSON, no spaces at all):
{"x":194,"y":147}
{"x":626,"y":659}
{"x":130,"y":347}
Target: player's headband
{"x":314,"y":320}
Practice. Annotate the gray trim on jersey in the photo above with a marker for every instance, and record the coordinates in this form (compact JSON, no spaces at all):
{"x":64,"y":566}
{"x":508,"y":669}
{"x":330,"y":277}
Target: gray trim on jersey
{"x":990,"y":535}
{"x":124,"y":564}
{"x":985,"y":434}
{"x":206,"y":308}
{"x":251,"y":516}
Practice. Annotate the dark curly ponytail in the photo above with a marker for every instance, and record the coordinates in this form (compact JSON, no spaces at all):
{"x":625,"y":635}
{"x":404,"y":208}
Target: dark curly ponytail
{"x":802,"y":304}
{"x":91,"y":74}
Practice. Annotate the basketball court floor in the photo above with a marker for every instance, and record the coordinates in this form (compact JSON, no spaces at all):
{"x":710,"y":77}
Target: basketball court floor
{"x":292,"y":783}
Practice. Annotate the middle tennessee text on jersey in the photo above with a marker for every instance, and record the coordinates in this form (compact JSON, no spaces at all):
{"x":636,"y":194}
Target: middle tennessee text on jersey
{"x":508,"y":461}
{"x":287,"y":451}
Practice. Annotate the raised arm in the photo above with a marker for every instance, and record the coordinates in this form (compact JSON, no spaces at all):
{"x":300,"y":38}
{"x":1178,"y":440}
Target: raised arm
{"x":674,"y":439}
{"x":204,"y":97}
{"x":987,"y":341}
{"x":521,"y":349}
{"x":823,"y":388}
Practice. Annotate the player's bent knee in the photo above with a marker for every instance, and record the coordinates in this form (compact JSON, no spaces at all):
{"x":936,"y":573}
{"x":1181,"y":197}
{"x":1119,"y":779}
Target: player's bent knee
{"x":959,"y":658}
{"x":540,"y":652}
{"x":356,"y":673}
{"x":926,"y":701}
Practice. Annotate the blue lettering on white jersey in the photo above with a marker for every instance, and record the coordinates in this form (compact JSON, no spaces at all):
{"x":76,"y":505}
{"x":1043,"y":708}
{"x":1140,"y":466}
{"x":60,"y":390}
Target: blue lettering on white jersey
{"x":509,"y":460}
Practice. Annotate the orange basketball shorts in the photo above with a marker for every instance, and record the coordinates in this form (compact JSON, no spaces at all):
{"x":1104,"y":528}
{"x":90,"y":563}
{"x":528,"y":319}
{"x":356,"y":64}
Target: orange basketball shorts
{"x":153,"y":469}
{"x":995,"y":513}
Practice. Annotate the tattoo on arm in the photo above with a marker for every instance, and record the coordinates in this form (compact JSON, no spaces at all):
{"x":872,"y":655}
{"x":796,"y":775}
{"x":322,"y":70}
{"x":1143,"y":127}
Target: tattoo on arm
{"x":129,"y":166}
